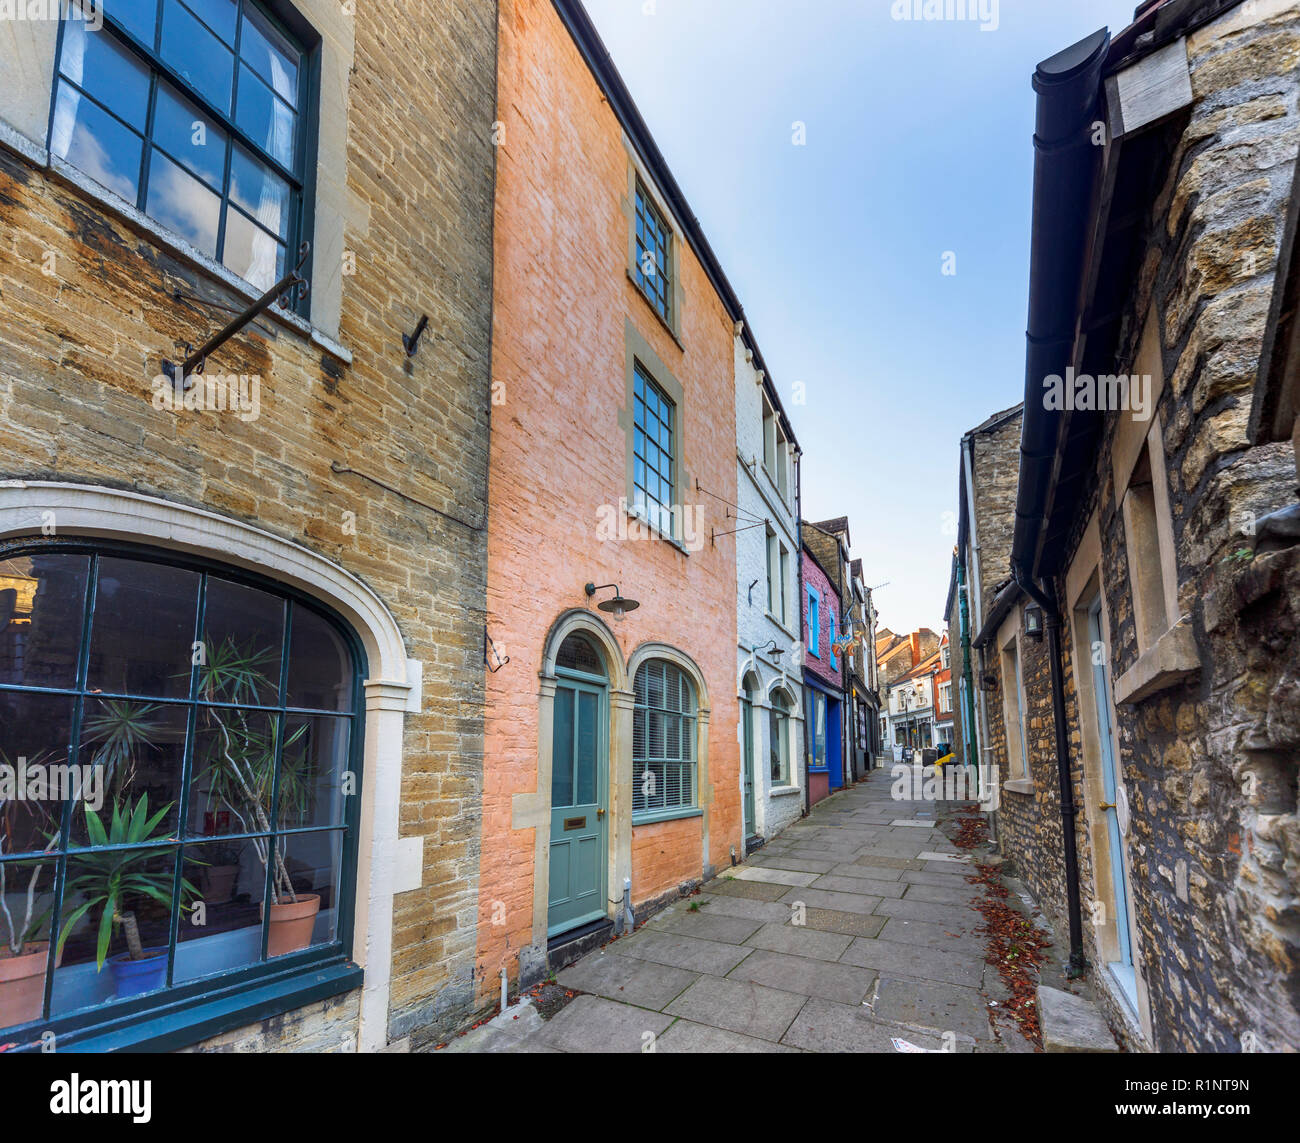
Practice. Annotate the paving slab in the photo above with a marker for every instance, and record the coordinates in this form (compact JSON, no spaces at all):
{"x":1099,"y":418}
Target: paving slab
{"x":932,"y":1007}
{"x":594,"y":1024}
{"x":837,"y":921}
{"x":773,"y":876}
{"x":889,"y":862}
{"x":727,"y":906}
{"x":948,"y":879}
{"x":831,"y":899}
{"x":951,"y":915}
{"x":800,"y":864}
{"x":627,"y":979}
{"x":738,"y":1006}
{"x":689,"y":953}
{"x":959,"y":940}
{"x":943,"y":896}
{"x":754,"y":890}
{"x":894,"y":958}
{"x":705,"y":924}
{"x":841,"y":982}
{"x":800,"y":940}
{"x":872,"y":872}
{"x":866,"y":885}
{"x":824,"y":1026}
{"x":685,"y":1036}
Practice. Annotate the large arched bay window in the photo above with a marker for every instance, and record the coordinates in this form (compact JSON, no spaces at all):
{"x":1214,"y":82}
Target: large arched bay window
{"x":663,"y":741}
{"x":179,"y":784}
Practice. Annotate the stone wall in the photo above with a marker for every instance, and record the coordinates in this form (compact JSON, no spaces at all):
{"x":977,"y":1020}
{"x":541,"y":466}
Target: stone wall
{"x":89,"y":312}
{"x":1208,"y":761}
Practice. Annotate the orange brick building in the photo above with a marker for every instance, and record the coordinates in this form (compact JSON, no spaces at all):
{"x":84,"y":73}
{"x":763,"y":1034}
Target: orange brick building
{"x":612,"y":752}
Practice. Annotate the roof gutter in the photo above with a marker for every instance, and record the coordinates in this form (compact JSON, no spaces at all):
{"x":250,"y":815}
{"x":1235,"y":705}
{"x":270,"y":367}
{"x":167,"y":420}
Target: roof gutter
{"x":1066,"y":161}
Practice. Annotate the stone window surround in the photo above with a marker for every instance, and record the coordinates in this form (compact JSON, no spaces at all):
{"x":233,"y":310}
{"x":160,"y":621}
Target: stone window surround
{"x":26,"y":94}
{"x":387,"y":864}
{"x":750,"y":668}
{"x":637,"y":173}
{"x":1009,"y":637}
{"x":638,"y":351}
{"x":1169,"y":657}
{"x":781,"y":446}
{"x":531,"y":809}
{"x":1082,"y":586}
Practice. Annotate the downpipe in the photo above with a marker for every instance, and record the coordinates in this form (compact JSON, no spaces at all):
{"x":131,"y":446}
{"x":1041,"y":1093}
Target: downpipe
{"x":1052,"y":622}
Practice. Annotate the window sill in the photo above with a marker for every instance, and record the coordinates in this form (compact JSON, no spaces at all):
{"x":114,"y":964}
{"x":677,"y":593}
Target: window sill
{"x":1169,"y":662}
{"x":783,"y":791}
{"x":188,"y":1019}
{"x":1019,"y":785}
{"x":773,"y":619}
{"x":634,"y":513}
{"x":663,"y":321}
{"x":666,"y":816}
{"x":158,"y":234}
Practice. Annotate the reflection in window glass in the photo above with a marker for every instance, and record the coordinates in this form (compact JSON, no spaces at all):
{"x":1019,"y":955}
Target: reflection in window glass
{"x":185,"y":780}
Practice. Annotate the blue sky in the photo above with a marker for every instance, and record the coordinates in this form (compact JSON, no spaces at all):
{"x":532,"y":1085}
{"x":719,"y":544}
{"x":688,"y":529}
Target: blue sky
{"x":919,"y":143}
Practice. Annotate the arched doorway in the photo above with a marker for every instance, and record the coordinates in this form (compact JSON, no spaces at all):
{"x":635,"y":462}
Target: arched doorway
{"x":579,"y":787}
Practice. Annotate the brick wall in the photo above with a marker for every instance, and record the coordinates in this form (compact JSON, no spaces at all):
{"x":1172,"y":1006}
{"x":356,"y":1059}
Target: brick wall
{"x":559,"y":459}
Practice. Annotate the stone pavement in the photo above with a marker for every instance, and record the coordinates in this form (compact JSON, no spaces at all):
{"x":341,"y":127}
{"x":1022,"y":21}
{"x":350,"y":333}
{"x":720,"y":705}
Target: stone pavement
{"x":887,"y":951}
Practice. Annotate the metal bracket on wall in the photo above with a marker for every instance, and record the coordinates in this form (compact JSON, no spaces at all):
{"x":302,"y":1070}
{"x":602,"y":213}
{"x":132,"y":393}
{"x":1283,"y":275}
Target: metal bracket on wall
{"x":412,"y":341}
{"x":289,"y":290}
{"x":490,"y":652}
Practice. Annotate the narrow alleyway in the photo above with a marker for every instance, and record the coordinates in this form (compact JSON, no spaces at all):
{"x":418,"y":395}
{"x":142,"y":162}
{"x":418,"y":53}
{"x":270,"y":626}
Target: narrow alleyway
{"x":888,"y":956}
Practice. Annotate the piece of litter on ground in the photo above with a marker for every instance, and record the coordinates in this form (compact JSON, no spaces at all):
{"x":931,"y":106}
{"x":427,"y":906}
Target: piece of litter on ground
{"x":908,"y":1047}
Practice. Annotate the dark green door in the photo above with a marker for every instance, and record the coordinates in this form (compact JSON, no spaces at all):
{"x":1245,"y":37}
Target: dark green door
{"x":747,"y":734}
{"x":578,"y":817}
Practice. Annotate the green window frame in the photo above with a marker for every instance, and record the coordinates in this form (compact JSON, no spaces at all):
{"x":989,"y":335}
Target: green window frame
{"x":220,"y":715}
{"x":202,"y":115}
{"x":653,"y":449}
{"x":664,"y":728}
{"x":653,"y":251}
{"x":778,"y":739}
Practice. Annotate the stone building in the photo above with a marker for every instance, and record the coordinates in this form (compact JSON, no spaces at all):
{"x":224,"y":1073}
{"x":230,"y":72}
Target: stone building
{"x":265,"y":573}
{"x":612,"y":779}
{"x":989,"y":466}
{"x":769,"y":678}
{"x":1146,"y":703}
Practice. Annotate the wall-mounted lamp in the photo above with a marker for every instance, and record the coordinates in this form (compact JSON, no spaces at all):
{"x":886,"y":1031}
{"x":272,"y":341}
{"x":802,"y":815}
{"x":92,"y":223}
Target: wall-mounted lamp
{"x":771,"y":648}
{"x":1034,"y":623}
{"x":618,"y":607}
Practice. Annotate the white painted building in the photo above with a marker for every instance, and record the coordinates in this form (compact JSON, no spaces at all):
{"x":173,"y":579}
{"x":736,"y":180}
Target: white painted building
{"x":769,"y":668}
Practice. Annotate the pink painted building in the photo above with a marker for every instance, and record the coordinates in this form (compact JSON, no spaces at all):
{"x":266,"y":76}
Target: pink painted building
{"x":823,"y":681}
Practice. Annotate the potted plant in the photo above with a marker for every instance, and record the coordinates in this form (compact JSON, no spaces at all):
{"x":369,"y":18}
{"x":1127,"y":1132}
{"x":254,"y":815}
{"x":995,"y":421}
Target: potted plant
{"x":23,"y":959}
{"x":238,"y":769}
{"x":218,"y":878}
{"x":114,"y":881}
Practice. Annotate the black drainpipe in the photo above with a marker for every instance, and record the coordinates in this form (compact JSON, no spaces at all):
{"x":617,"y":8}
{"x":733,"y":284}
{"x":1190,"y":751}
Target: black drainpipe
{"x":1052,"y":621}
{"x":1066,"y":164}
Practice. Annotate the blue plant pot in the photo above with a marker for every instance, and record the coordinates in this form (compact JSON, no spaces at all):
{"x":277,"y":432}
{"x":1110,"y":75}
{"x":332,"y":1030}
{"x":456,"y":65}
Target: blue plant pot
{"x":136,"y":977}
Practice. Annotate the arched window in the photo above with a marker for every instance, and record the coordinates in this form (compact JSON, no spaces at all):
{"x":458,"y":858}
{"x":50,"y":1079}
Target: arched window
{"x":577,"y":653}
{"x":179,"y":759}
{"x":663,"y":740}
{"x":779,"y":736}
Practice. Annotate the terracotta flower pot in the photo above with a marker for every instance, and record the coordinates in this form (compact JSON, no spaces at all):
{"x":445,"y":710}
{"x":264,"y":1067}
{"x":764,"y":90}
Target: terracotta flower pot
{"x":219,"y":883}
{"x":22,"y":985}
{"x":292,"y":923}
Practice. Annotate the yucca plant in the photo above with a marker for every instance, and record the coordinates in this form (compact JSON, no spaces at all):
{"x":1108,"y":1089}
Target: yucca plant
{"x":115,"y":878}
{"x":18,"y":934}
{"x":237,"y":763}
{"x":119,"y":731}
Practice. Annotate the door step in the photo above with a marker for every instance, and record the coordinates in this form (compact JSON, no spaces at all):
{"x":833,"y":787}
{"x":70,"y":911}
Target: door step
{"x":564,"y":949}
{"x":1072,"y":1023}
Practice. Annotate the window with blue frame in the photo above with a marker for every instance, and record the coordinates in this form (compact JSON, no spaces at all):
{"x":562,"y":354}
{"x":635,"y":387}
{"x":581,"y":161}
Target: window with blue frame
{"x":196,"y":113}
{"x":834,"y":662}
{"x":653,"y":248}
{"x":814,"y":623}
{"x":197,"y":735}
{"x":653,"y":459}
